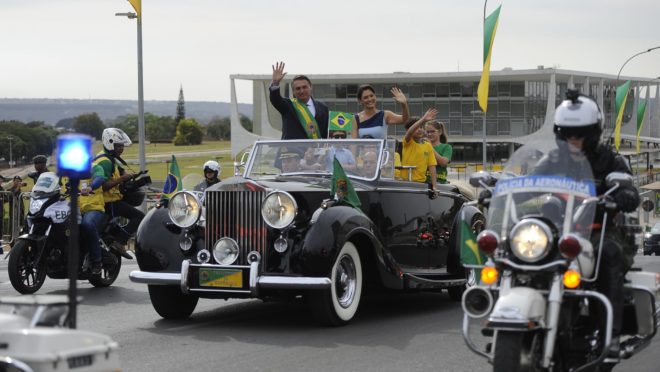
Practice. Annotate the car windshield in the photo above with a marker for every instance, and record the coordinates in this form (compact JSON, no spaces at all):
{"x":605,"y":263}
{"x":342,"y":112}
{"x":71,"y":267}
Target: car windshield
{"x":656,"y":228}
{"x":358,"y":158}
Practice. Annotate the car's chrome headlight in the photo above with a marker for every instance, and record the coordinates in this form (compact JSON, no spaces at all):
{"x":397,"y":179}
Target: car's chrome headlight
{"x":530,"y":240}
{"x":279,"y":209}
{"x":184,"y":209}
{"x":35,"y":205}
{"x":225,"y":251}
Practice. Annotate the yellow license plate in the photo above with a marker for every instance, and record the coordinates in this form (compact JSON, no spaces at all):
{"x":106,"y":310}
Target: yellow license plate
{"x":221,"y":278}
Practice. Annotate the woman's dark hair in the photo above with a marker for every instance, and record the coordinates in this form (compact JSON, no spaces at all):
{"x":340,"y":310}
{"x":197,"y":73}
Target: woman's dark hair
{"x":362,"y":88}
{"x":438,"y":125}
{"x":412,"y":120}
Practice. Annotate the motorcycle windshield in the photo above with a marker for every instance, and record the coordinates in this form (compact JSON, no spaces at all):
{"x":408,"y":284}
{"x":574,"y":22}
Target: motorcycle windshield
{"x":551,"y":182}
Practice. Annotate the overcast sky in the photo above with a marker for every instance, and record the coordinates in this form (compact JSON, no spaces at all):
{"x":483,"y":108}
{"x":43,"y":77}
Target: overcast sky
{"x":80,"y":49}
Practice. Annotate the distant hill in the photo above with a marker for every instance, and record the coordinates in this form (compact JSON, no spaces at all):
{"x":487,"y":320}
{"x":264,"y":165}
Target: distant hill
{"x":51,"y":111}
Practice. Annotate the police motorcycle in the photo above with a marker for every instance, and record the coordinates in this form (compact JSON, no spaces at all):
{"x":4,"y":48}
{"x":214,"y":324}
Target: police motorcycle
{"x":42,"y":250}
{"x":536,"y":306}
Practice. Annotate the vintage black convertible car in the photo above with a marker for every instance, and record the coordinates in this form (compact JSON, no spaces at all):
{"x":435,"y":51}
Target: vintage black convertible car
{"x":276,"y":231}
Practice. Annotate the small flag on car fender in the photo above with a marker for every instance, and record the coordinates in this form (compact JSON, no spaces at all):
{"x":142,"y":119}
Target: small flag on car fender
{"x":342,"y":188}
{"x":470,"y":253}
{"x":173,"y":181}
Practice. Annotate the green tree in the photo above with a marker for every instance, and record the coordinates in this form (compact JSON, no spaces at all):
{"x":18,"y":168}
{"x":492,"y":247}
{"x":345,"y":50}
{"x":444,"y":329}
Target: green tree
{"x":246,"y":123}
{"x":89,"y":123}
{"x":159,"y":128}
{"x":180,"y":107}
{"x":65,"y":123}
{"x":127,"y":123}
{"x":188,"y":132}
{"x":219,"y":128}
{"x":26,"y":140}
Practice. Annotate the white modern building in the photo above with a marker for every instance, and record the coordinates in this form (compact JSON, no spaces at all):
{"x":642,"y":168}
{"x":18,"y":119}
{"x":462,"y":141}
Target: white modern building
{"x":520,"y":107}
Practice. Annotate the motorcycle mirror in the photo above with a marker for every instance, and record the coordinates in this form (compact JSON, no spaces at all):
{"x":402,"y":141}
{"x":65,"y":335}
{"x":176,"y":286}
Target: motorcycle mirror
{"x":622,"y":179}
{"x":478,"y":179}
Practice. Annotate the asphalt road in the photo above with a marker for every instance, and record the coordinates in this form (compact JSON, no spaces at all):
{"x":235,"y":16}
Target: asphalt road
{"x":415,"y":332}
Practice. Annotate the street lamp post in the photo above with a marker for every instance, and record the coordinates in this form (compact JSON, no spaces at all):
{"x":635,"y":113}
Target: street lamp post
{"x":11,"y":157}
{"x":141,"y":139}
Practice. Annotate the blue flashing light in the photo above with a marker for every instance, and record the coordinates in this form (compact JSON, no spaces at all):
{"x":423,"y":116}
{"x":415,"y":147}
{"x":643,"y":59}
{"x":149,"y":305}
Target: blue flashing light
{"x":74,"y":155}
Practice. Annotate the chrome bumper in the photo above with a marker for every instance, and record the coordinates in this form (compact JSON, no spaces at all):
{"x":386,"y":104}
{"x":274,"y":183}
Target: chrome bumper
{"x":256,"y":282}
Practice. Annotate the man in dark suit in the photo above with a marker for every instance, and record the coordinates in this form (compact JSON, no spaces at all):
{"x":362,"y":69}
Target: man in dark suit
{"x":302,"y":117}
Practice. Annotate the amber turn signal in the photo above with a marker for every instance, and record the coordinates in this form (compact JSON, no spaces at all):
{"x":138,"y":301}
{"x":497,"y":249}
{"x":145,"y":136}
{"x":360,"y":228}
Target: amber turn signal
{"x":571,"y":279}
{"x":489,"y":275}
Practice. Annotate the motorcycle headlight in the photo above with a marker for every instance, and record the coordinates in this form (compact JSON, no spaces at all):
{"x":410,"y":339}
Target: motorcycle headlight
{"x":279,"y":209}
{"x":35,"y":205}
{"x":184,"y":209}
{"x":225,"y":251}
{"x":530,"y":240}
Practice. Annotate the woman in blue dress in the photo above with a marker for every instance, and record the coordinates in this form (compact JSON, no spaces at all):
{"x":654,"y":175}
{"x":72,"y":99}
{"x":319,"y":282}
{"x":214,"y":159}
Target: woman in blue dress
{"x":373,"y":122}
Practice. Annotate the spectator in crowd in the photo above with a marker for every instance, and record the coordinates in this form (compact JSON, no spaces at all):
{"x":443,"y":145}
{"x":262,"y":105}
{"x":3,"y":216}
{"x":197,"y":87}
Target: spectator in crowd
{"x":437,"y":136}
{"x":310,"y":160}
{"x":339,"y":150}
{"x":303,"y":117}
{"x":16,"y":189}
{"x":371,"y":122}
{"x":418,"y":152}
{"x":369,"y":164}
{"x":40,"y":167}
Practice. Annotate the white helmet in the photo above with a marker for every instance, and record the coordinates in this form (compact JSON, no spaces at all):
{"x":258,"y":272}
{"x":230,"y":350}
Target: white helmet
{"x":579,"y":116}
{"x":577,"y":111}
{"x":213,"y":166}
{"x":115,"y":135}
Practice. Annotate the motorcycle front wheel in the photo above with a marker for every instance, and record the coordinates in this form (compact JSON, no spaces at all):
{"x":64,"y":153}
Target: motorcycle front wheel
{"x":517,"y":351}
{"x":24,"y":273}
{"x":110,"y":271}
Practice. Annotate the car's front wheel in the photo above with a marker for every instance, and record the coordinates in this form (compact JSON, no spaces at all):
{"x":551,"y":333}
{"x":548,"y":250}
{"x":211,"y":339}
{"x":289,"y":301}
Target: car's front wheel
{"x":337,"y":305}
{"x":170,"y":303}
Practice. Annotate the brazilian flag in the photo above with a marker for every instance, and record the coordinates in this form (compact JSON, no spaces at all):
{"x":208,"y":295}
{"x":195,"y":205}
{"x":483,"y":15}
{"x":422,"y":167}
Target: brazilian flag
{"x":620,"y":99}
{"x":342,"y":188}
{"x":470,"y":253}
{"x":341,"y":121}
{"x":173,"y":181}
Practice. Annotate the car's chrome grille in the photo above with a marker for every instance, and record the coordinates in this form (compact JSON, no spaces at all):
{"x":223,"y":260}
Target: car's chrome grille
{"x":237,"y":215}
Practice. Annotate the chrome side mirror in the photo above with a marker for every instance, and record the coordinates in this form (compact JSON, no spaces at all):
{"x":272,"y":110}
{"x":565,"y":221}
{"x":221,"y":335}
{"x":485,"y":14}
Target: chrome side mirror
{"x":482,"y":179}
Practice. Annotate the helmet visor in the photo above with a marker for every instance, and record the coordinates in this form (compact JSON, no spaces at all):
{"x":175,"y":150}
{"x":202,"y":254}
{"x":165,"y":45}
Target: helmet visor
{"x":573,"y":132}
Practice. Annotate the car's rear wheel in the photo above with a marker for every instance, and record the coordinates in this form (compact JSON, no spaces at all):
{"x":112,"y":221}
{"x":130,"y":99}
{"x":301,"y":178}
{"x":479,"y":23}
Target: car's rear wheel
{"x":337,"y":305}
{"x":170,"y":303}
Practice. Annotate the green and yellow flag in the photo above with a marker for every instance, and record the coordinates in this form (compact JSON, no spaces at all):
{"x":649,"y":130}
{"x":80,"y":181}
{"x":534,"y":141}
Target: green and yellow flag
{"x":621,"y":98}
{"x":137,"y":5}
{"x":173,"y":181}
{"x":342,"y":188}
{"x":470,"y":253}
{"x":341,"y":121}
{"x":490,"y":27}
{"x":641,"y":110}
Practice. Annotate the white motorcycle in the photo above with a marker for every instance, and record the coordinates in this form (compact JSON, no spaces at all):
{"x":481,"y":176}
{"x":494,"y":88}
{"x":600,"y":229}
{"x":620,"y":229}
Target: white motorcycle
{"x":34,"y":338}
{"x":537,"y":303}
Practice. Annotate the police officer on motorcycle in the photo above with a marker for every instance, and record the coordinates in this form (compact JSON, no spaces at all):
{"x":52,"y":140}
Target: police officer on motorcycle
{"x":578,"y":129}
{"x":114,"y":141}
{"x":211,"y":175}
